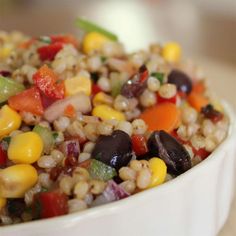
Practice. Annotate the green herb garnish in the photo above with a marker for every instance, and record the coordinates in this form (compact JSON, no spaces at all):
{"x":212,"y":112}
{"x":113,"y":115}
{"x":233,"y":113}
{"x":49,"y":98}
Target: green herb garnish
{"x":159,"y":76}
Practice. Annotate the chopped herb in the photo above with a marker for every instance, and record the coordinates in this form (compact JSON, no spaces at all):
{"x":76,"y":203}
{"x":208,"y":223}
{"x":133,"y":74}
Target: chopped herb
{"x":103,"y":59}
{"x":159,"y":76}
{"x":89,"y":27}
{"x":55,"y":135}
{"x":45,"y":39}
{"x":6,"y":141}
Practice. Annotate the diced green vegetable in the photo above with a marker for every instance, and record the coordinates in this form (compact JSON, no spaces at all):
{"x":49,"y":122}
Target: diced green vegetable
{"x":45,"y":39}
{"x":116,"y":85}
{"x":101,"y":171}
{"x":8,"y":88}
{"x":89,"y":27}
{"x":103,"y":59}
{"x":55,"y":135}
{"x":47,"y":137}
{"x":159,"y":76}
{"x":7,"y":139}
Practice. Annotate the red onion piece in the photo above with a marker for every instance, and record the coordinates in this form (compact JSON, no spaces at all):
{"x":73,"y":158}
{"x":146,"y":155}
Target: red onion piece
{"x":80,"y":102}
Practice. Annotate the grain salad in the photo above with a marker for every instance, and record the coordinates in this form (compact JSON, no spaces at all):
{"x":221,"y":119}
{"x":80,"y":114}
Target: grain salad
{"x":84,"y":123}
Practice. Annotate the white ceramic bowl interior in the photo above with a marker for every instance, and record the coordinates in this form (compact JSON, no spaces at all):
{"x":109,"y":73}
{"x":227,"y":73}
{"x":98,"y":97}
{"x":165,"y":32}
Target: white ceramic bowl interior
{"x":196,"y":203}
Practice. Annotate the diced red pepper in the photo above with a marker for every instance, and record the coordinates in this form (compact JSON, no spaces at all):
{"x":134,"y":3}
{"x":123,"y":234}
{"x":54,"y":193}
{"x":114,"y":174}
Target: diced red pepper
{"x":143,"y":73}
{"x":139,"y":144}
{"x":48,"y":52}
{"x":46,"y":80}
{"x":66,"y":39}
{"x":3,"y":157}
{"x":50,"y":204}
{"x":201,"y":152}
{"x":95,"y":89}
{"x":161,"y":99}
{"x":29,"y":100}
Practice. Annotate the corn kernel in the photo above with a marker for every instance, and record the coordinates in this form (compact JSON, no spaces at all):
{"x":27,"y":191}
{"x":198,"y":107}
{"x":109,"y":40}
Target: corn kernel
{"x":94,"y":41}
{"x":102,"y":98}
{"x":3,"y":202}
{"x":158,"y":169}
{"x":25,"y":148}
{"x":78,"y":84}
{"x":171,"y":52}
{"x":16,"y":180}
{"x":5,"y":51}
{"x":107,"y":113}
{"x":10,"y":120}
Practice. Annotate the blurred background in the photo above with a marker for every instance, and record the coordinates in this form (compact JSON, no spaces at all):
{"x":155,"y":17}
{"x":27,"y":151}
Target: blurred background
{"x":206,"y":29}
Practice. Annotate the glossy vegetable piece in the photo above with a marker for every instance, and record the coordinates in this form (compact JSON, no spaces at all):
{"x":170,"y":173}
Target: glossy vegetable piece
{"x":112,"y":192}
{"x":8,"y":88}
{"x":101,"y":171}
{"x":88,"y":26}
{"x":29,"y":101}
{"x":173,"y":153}
{"x":46,"y":136}
{"x":212,"y":114}
{"x":65,"y":39}
{"x":48,"y":52}
{"x":16,"y":180}
{"x":163,"y":116}
{"x":107,"y":113}
{"x":137,"y":84}
{"x":114,"y":150}
{"x":3,"y":157}
{"x":197,"y":100}
{"x":159,"y":170}
{"x":171,"y":52}
{"x":50,"y":204}
{"x":71,"y":148}
{"x":139,"y":144}
{"x":45,"y":80}
{"x":10,"y":120}
{"x":181,"y":80}
{"x":25,"y":148}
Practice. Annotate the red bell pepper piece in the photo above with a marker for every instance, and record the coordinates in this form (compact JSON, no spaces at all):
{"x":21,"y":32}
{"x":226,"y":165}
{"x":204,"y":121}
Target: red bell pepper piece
{"x":45,"y":79}
{"x":65,"y":39}
{"x":50,"y":204}
{"x":48,"y":52}
{"x":139,"y":144}
{"x":161,"y":99}
{"x":95,"y":89}
{"x":29,"y":100}
{"x":3,"y":157}
{"x":201,"y":152}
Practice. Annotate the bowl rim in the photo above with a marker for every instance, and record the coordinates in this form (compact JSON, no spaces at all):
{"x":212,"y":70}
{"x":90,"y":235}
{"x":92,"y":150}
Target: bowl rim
{"x":117,"y":206}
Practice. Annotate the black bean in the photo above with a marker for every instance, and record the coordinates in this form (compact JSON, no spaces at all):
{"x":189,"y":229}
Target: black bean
{"x":173,"y":153}
{"x":209,"y":112}
{"x":181,"y":80}
{"x":114,"y":150}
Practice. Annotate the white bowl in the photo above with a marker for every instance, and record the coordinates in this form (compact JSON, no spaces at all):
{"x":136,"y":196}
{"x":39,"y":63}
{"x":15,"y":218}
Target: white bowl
{"x":196,"y":203}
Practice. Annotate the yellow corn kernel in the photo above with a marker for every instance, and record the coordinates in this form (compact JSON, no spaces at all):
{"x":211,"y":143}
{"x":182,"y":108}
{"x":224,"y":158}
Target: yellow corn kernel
{"x":171,"y":52}
{"x":107,"y":113}
{"x":25,"y":148}
{"x":5,"y":51}
{"x":158,"y":169}
{"x":102,"y":98}
{"x":16,"y":180}
{"x":94,"y":41}
{"x":78,"y":84}
{"x":3,"y":202}
{"x":10,"y":120}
